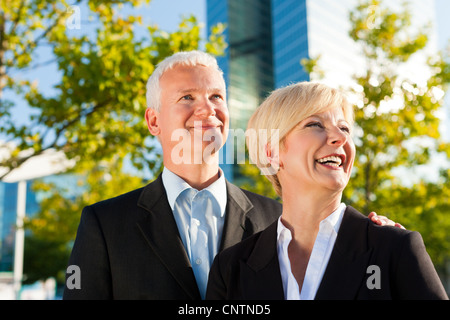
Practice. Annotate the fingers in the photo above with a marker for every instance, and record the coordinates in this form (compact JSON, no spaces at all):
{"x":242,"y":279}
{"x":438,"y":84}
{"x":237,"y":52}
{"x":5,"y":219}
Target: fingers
{"x":400,"y":226}
{"x":383,"y":221}
{"x":375,"y":218}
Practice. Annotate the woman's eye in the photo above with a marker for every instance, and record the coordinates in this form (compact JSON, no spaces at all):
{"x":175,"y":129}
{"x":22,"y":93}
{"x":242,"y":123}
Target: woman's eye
{"x":314,"y":124}
{"x":345,"y":129}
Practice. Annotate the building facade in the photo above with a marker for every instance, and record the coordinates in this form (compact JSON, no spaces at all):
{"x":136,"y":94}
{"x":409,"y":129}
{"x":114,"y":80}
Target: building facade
{"x":8,"y":214}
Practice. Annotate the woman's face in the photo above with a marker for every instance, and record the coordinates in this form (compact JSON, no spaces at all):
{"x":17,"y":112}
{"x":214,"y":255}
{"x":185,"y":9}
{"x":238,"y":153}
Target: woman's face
{"x":318,"y":153}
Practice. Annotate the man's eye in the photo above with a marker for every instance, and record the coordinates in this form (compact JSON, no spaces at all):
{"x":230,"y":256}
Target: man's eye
{"x":216,"y":96}
{"x":187,"y":97}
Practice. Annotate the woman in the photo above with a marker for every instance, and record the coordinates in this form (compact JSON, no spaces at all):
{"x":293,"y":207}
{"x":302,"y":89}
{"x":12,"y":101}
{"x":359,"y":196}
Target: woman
{"x":319,"y":248}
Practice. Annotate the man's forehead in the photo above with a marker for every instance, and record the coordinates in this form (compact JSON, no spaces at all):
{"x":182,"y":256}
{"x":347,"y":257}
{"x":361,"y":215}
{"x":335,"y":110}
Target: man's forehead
{"x":185,"y":68}
{"x":185,"y":90}
{"x":193,"y":78}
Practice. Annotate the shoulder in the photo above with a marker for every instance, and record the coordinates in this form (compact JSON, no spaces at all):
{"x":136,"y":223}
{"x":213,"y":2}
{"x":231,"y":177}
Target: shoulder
{"x":260,"y":209}
{"x":111,"y":213}
{"x":127,"y":204}
{"x":388,"y":238}
{"x":399,"y":253}
{"x":258,"y":201}
{"x":118,"y":201}
{"x":130,"y":200}
{"x":241,"y":250}
{"x":260,"y":243}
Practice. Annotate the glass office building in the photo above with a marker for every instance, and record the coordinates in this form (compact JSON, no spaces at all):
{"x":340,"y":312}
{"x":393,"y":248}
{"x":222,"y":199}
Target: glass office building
{"x":8,"y":213}
{"x":65,"y":183}
{"x":248,"y":63}
{"x":290,"y":41}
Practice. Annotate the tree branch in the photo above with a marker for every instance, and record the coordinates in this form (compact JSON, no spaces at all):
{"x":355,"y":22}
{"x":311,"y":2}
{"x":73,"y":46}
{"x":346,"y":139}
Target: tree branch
{"x":16,"y":162}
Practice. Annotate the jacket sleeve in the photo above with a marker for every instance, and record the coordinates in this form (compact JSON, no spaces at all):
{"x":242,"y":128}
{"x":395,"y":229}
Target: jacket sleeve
{"x":89,"y":255}
{"x":415,"y":275}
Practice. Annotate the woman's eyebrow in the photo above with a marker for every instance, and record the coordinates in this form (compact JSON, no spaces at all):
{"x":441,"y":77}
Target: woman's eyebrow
{"x":343,"y":121}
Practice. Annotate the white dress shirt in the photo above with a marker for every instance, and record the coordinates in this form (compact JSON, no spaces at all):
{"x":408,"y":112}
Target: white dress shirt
{"x":200,"y":216}
{"x":318,"y":261}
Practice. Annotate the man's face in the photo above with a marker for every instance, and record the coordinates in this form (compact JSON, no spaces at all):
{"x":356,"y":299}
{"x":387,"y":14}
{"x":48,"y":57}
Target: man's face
{"x":193,"y":119}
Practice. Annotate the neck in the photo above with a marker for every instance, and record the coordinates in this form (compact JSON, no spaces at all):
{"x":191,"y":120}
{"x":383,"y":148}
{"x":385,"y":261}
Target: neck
{"x":198,"y":176}
{"x":303,"y":212}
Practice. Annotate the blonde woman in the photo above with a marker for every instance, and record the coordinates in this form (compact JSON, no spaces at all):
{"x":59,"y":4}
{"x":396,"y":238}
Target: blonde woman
{"x":319,"y":248}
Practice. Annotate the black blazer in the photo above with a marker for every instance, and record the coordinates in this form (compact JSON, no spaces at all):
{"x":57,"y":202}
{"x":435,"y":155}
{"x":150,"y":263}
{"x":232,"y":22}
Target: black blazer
{"x":250,"y":269}
{"x":129,"y":247}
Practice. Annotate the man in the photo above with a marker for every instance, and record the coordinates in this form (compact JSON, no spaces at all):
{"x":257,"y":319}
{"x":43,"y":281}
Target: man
{"x":158,"y":242}
{"x":145,"y":244}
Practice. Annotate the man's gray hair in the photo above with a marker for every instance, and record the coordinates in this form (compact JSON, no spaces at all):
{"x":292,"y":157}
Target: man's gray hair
{"x":187,"y":58}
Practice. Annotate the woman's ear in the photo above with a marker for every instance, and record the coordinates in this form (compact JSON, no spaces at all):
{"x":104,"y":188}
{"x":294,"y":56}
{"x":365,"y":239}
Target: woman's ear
{"x":273,"y":156}
{"x":152,"y":119}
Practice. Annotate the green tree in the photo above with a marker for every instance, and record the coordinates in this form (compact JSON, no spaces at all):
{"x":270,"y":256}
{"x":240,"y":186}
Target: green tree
{"x":399,"y":126}
{"x":95,"y":115}
{"x":399,"y":123}
{"x":100,"y":100}
{"x":393,"y":109}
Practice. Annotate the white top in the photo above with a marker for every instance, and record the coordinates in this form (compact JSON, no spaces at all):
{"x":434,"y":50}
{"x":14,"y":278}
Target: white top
{"x":318,"y":261}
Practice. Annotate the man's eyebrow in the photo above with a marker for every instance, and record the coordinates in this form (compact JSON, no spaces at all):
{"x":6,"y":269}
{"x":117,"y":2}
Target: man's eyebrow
{"x":188,"y":90}
{"x":194,"y":90}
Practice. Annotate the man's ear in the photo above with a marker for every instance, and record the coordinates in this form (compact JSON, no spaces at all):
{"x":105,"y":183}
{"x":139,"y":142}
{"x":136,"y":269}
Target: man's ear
{"x":152,"y":119}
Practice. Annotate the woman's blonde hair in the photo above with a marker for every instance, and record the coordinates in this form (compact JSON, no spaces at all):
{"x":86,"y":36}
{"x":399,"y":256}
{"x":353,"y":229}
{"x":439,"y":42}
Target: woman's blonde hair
{"x":282,"y":111}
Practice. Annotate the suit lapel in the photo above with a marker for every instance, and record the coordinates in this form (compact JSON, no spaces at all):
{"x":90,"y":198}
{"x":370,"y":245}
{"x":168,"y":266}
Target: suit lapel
{"x":235,"y":216}
{"x":261,"y":277}
{"x":161,"y":232}
{"x":347,"y":265}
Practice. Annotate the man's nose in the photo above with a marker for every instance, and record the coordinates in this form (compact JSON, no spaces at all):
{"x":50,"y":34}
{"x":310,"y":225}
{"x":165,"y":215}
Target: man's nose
{"x":205,"y":108}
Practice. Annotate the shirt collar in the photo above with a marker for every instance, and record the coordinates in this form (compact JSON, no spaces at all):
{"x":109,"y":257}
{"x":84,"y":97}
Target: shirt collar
{"x":174,"y":185}
{"x":334,"y":219}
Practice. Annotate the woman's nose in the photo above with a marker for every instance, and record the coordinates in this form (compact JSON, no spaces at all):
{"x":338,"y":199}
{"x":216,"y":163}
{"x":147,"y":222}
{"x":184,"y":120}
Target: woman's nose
{"x":337,"y":137}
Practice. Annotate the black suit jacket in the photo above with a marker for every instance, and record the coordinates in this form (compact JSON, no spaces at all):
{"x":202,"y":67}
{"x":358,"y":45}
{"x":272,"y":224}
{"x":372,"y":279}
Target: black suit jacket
{"x":129,"y":247}
{"x":250,"y":269}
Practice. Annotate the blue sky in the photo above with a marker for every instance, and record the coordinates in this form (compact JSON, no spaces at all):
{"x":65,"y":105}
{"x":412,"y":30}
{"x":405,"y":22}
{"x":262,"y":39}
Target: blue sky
{"x":167,"y":14}
{"x":443,"y":21}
